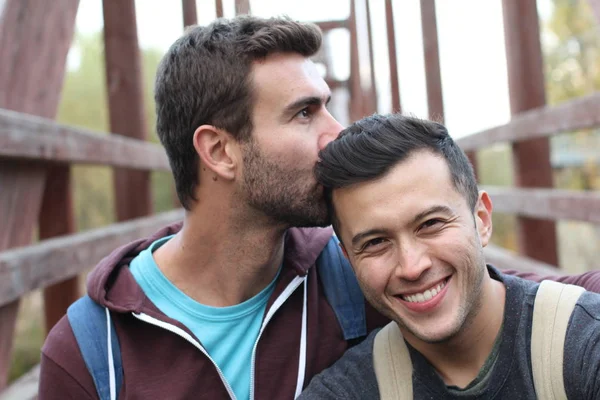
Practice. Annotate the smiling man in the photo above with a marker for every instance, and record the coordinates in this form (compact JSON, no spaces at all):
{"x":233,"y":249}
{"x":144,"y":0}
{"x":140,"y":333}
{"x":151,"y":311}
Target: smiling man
{"x":406,"y":208}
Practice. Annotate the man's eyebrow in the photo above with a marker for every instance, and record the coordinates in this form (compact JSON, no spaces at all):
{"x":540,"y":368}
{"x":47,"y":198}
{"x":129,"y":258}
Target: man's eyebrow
{"x":361,"y":235}
{"x":432,"y":210}
{"x":305,"y":101}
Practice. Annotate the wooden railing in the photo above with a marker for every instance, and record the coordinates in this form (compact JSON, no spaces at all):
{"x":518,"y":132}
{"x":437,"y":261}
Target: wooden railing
{"x":25,"y":140}
{"x":543,"y":203}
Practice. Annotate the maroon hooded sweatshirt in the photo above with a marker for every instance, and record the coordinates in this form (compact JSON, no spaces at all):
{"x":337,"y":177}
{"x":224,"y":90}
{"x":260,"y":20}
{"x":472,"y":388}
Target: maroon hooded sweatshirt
{"x":160,"y":364}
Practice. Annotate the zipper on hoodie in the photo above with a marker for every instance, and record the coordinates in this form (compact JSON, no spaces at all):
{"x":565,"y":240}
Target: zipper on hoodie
{"x":297,"y":281}
{"x":180,"y":332}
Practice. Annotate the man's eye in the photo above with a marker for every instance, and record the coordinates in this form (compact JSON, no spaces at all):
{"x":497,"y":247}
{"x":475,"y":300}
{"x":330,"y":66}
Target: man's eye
{"x":431,"y":223}
{"x":304,"y":113}
{"x":374,"y":242}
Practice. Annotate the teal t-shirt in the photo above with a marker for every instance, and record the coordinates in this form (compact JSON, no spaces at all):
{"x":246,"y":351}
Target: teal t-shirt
{"x":227,"y":333}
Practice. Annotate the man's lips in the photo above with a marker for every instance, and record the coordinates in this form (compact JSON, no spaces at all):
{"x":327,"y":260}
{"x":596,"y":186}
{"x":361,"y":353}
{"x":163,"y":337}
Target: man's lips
{"x":425,"y":294}
{"x":427,"y":299}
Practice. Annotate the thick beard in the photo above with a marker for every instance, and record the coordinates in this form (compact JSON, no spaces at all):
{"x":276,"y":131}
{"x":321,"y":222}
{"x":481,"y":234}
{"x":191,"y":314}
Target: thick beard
{"x":280,"y":193}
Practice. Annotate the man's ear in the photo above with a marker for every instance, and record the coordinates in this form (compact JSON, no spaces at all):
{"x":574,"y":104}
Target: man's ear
{"x":215,"y":149}
{"x":483,"y":217}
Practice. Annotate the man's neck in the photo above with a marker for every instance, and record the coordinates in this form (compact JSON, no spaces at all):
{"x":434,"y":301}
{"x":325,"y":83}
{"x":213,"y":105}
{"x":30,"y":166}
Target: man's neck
{"x":459,"y":360}
{"x":220,"y":263}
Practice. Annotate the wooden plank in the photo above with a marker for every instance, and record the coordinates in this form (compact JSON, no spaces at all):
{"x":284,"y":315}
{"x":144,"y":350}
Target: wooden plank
{"x":537,"y":238}
{"x":24,"y":388}
{"x":581,"y":113}
{"x":505,"y":259}
{"x":332,"y":24}
{"x":219,"y":8}
{"x":35,"y":37}
{"x":356,"y":97}
{"x":8,"y":318}
{"x":53,"y":260}
{"x":242,"y":7}
{"x":34,"y":138}
{"x":371,"y":98}
{"x":190,"y":14}
{"x":56,"y":218}
{"x":133,"y":196}
{"x":551,"y":204}
{"x":393,"y":57}
{"x":433,"y":78}
{"x":19,"y":208}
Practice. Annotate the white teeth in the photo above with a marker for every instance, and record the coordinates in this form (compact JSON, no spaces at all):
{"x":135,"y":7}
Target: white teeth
{"x":426,"y":295}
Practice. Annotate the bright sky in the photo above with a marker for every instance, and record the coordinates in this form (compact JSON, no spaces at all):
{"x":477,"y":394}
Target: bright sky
{"x":471,"y":40}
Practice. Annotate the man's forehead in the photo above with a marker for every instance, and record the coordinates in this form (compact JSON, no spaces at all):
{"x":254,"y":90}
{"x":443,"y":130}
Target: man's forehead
{"x":409,"y":188}
{"x":285,"y":77}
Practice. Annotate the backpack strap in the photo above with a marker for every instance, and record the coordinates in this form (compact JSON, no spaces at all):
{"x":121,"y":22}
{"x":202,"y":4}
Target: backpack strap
{"x":99,"y":345}
{"x":392,"y":363}
{"x":553,"y":306}
{"x":342,"y":290}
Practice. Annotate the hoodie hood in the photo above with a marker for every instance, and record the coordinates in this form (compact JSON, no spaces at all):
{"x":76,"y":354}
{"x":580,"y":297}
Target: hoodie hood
{"x":112,"y":285}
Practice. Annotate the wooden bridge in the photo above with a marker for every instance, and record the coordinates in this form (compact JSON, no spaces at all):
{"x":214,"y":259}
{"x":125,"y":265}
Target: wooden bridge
{"x":39,"y":248}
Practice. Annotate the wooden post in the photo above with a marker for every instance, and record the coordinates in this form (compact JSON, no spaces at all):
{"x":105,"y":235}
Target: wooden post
{"x":125,"y":103}
{"x":190,"y":15}
{"x":242,"y":7}
{"x":356,"y":97}
{"x":372,"y":95}
{"x":35,"y":38}
{"x":56,"y":218}
{"x":219,"y":8}
{"x":435,"y":100}
{"x":537,"y":238}
{"x":393,"y":58}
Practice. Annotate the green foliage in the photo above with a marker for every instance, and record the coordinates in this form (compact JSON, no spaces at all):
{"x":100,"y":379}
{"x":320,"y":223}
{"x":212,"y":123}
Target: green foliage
{"x":572,"y":53}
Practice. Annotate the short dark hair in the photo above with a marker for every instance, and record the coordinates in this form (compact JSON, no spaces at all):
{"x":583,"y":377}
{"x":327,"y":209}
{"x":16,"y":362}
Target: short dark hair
{"x":205,"y":78}
{"x":369,"y":148}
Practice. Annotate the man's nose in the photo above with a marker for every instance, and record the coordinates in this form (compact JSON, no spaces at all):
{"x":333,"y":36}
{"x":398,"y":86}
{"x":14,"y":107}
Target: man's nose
{"x":413,"y":261}
{"x":331,"y":132}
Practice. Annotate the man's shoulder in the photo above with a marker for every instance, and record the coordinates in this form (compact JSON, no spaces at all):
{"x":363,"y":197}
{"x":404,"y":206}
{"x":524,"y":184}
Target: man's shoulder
{"x":61,"y":348}
{"x":582,"y":348}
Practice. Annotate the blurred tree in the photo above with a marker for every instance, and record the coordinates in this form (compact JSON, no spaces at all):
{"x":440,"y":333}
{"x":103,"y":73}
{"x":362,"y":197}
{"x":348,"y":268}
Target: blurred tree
{"x":572,"y":51}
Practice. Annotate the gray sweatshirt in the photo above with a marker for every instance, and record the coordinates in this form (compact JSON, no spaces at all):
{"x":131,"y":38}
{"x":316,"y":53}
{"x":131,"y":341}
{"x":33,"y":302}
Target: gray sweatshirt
{"x":507,"y":373}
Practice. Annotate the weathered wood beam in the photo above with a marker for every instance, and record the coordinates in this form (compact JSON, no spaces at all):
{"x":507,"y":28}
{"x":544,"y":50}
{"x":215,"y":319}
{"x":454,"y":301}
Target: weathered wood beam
{"x":537,"y":238}
{"x":433,"y":78}
{"x":332,"y":24}
{"x":550,"y":204}
{"x":133,"y":196}
{"x":393,"y":57}
{"x":581,"y":113}
{"x":35,"y":37}
{"x":24,"y":388}
{"x":505,"y":259}
{"x":190,"y":14}
{"x":33,"y":138}
{"x":53,"y":260}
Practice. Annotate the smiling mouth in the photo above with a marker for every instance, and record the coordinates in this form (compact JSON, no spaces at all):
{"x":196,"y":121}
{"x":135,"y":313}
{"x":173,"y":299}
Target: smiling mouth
{"x":425,"y":295}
